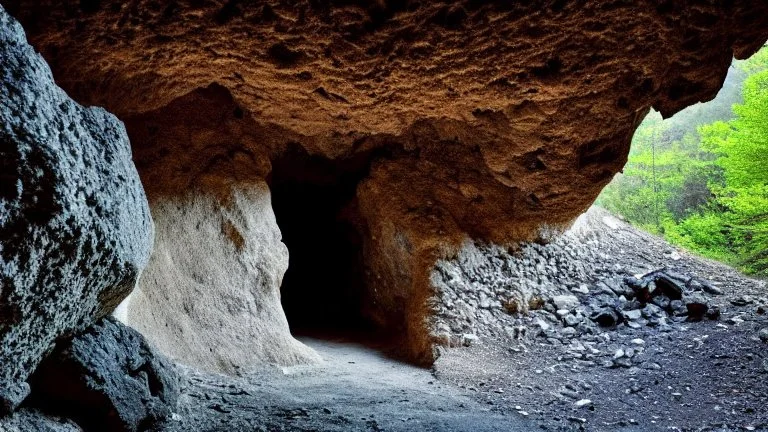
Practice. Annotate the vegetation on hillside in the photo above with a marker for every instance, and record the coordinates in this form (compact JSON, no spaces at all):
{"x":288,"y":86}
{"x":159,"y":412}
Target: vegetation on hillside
{"x":700,"y":179}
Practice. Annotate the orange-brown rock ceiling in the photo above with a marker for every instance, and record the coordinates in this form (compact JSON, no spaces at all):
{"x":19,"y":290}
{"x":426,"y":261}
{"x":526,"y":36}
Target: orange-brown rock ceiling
{"x":479,"y":118}
{"x":528,"y":108}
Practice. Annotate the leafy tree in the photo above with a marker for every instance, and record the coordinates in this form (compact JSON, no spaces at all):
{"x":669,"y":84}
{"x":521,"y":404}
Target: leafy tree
{"x":701,"y":177}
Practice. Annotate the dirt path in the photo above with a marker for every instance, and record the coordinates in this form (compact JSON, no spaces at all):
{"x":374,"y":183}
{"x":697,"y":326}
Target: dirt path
{"x":356,"y":388}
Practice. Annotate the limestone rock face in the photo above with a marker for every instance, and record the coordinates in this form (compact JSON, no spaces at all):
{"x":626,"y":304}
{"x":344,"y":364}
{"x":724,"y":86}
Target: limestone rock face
{"x":107,"y":379}
{"x":75,"y":230}
{"x":479,"y":119}
{"x":210,"y":296}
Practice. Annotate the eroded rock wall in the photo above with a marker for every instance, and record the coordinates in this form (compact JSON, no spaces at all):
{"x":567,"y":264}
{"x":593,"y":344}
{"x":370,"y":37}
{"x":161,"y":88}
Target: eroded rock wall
{"x":210,"y":296}
{"x":479,"y":119}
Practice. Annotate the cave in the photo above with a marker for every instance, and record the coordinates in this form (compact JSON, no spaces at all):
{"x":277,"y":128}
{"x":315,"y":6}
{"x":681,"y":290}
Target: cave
{"x":226,"y":176}
{"x":323,"y":289}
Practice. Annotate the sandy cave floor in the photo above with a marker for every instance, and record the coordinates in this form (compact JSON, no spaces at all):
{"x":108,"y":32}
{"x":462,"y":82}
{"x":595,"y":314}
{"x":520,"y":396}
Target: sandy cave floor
{"x":356,"y":388}
{"x":710,"y":378}
{"x":478,"y":389}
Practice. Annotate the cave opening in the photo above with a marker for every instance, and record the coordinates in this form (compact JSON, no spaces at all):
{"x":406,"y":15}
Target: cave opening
{"x":314,"y":202}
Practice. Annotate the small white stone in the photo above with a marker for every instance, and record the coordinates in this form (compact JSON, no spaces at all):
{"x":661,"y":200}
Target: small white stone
{"x":638,"y":341}
{"x":582,"y":403}
{"x":566,"y":302}
{"x":583,"y":289}
{"x":543,"y":325}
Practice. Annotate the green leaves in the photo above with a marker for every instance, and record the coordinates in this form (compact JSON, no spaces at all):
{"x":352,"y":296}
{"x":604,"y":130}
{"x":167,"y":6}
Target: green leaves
{"x":705,"y":186}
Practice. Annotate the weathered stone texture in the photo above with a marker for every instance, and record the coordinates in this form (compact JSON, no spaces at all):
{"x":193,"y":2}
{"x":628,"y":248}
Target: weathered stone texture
{"x":210,"y":296}
{"x":479,"y":119}
{"x":107,"y":379}
{"x":75,"y":229}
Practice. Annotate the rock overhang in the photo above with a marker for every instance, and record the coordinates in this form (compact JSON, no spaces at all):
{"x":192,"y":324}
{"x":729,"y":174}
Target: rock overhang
{"x":534,"y":104}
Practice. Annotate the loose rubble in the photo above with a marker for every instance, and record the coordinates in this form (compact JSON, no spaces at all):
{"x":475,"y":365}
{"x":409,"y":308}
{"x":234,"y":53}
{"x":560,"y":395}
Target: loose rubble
{"x":651,"y":336}
{"x":574,"y":291}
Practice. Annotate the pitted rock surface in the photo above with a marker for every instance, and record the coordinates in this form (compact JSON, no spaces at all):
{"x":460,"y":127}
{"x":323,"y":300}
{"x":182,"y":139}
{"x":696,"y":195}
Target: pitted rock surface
{"x":75,"y":229}
{"x":26,"y":420}
{"x":504,"y":112}
{"x":210,"y":296}
{"x":107,"y":379}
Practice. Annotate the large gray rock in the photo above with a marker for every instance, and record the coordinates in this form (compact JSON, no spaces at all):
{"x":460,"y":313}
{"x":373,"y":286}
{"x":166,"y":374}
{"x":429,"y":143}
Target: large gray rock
{"x":75,"y":229}
{"x":107,"y":379}
{"x":27,"y":420}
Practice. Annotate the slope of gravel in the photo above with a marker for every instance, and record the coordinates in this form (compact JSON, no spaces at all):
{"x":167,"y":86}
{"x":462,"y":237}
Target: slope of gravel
{"x":656,"y":369}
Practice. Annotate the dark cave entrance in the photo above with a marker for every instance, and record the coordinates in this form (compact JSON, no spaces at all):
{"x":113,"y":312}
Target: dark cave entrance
{"x":314,"y":203}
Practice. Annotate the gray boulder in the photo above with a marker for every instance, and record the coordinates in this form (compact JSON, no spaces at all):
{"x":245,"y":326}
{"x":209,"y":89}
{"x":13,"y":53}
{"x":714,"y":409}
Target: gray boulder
{"x":107,"y":379}
{"x":75,"y":229}
{"x":28,"y":420}
{"x":697,"y":307}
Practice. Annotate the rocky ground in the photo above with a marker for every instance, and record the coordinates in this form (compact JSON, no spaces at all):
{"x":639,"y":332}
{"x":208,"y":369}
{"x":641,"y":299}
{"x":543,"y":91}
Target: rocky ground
{"x":595,"y":348}
{"x":357,"y":388}
{"x":604,"y":329}
{"x":604,"y":348}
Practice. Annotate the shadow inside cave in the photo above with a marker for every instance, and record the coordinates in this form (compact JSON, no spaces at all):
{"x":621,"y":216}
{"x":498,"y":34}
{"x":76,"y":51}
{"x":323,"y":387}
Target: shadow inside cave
{"x":323,"y":291}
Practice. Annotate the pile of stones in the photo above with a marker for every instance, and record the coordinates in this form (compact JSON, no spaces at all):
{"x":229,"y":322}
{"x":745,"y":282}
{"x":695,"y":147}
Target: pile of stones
{"x":600,"y":276}
{"x":656,"y":299}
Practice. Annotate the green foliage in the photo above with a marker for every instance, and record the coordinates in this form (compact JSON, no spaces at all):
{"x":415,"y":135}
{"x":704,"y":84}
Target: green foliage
{"x":704,"y":184}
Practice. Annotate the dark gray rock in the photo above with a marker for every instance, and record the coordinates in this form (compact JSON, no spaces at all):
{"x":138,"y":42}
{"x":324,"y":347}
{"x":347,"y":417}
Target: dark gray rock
{"x":634,"y":283}
{"x":29,"y":420}
{"x":697,"y":307}
{"x":75,"y":228}
{"x":606,"y":317}
{"x":12,"y":396}
{"x":713,"y":313}
{"x":571,"y":320}
{"x":107,"y":379}
{"x":653,"y":311}
{"x":678,"y":277}
{"x":666,"y":285}
{"x":662,"y":301}
{"x":640,"y":287}
{"x":676,"y":305}
{"x":742,"y":301}
{"x":709,"y":288}
{"x":763,"y":335}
